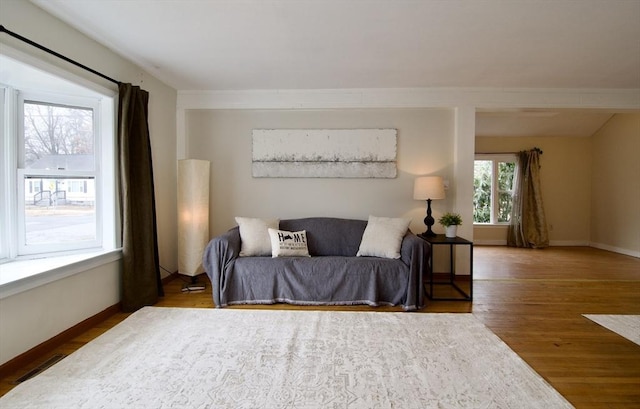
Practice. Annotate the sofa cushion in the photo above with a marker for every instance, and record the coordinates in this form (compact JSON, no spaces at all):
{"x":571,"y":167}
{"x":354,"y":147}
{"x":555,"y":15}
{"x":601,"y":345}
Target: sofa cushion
{"x":254,"y":235}
{"x":328,"y":236}
{"x":383,"y":237}
{"x":288,"y":243}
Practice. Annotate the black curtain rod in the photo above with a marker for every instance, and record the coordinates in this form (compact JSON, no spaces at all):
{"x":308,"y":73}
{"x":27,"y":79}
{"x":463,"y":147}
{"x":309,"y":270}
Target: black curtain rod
{"x":50,"y":51}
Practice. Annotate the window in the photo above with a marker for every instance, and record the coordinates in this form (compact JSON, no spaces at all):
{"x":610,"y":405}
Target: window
{"x":493,"y":178}
{"x":58,"y":172}
{"x":57,"y":140}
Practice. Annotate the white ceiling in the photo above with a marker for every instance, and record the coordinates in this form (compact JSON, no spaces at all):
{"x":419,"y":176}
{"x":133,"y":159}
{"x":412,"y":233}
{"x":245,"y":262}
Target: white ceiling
{"x":329,"y":44}
{"x":319,"y":44}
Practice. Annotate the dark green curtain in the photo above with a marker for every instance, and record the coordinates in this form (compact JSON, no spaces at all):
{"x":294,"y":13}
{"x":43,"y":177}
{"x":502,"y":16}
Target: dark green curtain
{"x":528,"y":226}
{"x":141,"y":283}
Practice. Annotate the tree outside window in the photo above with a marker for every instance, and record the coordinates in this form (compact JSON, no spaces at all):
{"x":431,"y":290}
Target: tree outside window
{"x":56,"y":130}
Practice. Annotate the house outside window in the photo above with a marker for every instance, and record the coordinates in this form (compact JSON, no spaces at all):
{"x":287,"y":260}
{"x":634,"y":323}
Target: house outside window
{"x":35,"y":186}
{"x":493,"y":183}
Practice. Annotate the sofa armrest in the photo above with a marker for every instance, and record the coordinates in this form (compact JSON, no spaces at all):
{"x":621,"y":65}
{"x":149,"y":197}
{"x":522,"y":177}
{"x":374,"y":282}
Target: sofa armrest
{"x":218,"y":259}
{"x":415,"y":253}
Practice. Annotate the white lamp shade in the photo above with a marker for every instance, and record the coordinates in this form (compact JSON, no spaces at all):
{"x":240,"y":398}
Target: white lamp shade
{"x":193,"y":214}
{"x":428,"y":187}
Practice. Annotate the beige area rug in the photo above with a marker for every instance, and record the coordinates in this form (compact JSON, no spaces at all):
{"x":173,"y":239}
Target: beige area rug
{"x":221,"y":358}
{"x":627,"y":326}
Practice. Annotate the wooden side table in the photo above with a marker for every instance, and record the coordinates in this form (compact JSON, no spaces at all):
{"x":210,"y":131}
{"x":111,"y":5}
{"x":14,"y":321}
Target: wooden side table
{"x":430,"y":282}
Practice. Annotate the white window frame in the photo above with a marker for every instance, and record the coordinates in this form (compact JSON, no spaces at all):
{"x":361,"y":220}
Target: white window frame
{"x":5,"y":169}
{"x":495,"y":159}
{"x":22,"y":172}
{"x":66,"y":89}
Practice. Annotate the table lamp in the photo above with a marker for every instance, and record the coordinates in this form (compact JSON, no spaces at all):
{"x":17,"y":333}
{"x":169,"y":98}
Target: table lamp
{"x":428,"y":188}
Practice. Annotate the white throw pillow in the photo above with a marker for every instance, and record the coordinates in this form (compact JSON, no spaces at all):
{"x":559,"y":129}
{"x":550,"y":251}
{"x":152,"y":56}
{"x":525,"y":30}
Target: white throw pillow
{"x":254,"y":234}
{"x":287,"y":243}
{"x":383,"y":237}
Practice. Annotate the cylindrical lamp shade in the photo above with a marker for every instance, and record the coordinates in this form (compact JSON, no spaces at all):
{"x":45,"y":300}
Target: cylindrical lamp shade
{"x":428,"y":187}
{"x":193,"y":214}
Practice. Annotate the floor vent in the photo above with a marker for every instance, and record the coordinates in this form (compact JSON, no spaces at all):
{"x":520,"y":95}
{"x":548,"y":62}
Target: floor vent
{"x":40,"y":368}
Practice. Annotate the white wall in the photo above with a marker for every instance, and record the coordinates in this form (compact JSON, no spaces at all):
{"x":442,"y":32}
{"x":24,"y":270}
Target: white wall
{"x":615,"y":187}
{"x":425,"y":146}
{"x":32,"y":317}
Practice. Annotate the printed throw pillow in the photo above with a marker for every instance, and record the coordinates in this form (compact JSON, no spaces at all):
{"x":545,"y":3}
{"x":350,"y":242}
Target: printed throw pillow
{"x":287,"y":243}
{"x":383,"y":237}
{"x":254,"y":235}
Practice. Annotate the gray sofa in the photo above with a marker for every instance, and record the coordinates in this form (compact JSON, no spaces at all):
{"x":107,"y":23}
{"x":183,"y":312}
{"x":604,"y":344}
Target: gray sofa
{"x":333,"y":275}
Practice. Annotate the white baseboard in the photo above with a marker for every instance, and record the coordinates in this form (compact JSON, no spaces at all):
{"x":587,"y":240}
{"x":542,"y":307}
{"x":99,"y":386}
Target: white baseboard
{"x":569,"y":243}
{"x":490,"y":243}
{"x":607,"y":247}
{"x":555,"y":243}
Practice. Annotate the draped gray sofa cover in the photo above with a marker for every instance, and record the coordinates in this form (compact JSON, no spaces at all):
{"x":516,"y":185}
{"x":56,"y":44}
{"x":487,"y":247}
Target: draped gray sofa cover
{"x":333,"y":275}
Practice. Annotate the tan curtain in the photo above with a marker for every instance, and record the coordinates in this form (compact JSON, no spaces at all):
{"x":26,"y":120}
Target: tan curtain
{"x":528,"y":227}
{"x":141,"y":283}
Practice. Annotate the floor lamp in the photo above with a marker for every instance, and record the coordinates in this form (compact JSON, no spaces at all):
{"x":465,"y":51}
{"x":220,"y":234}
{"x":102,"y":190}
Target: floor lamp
{"x":193,"y":219}
{"x":428,"y":188}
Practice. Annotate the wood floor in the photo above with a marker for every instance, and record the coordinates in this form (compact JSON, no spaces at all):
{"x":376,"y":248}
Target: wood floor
{"x":534,"y":301}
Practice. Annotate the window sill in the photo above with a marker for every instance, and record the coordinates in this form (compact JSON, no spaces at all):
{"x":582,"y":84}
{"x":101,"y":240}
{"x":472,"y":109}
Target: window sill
{"x":22,"y":275}
{"x":490,"y":226}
